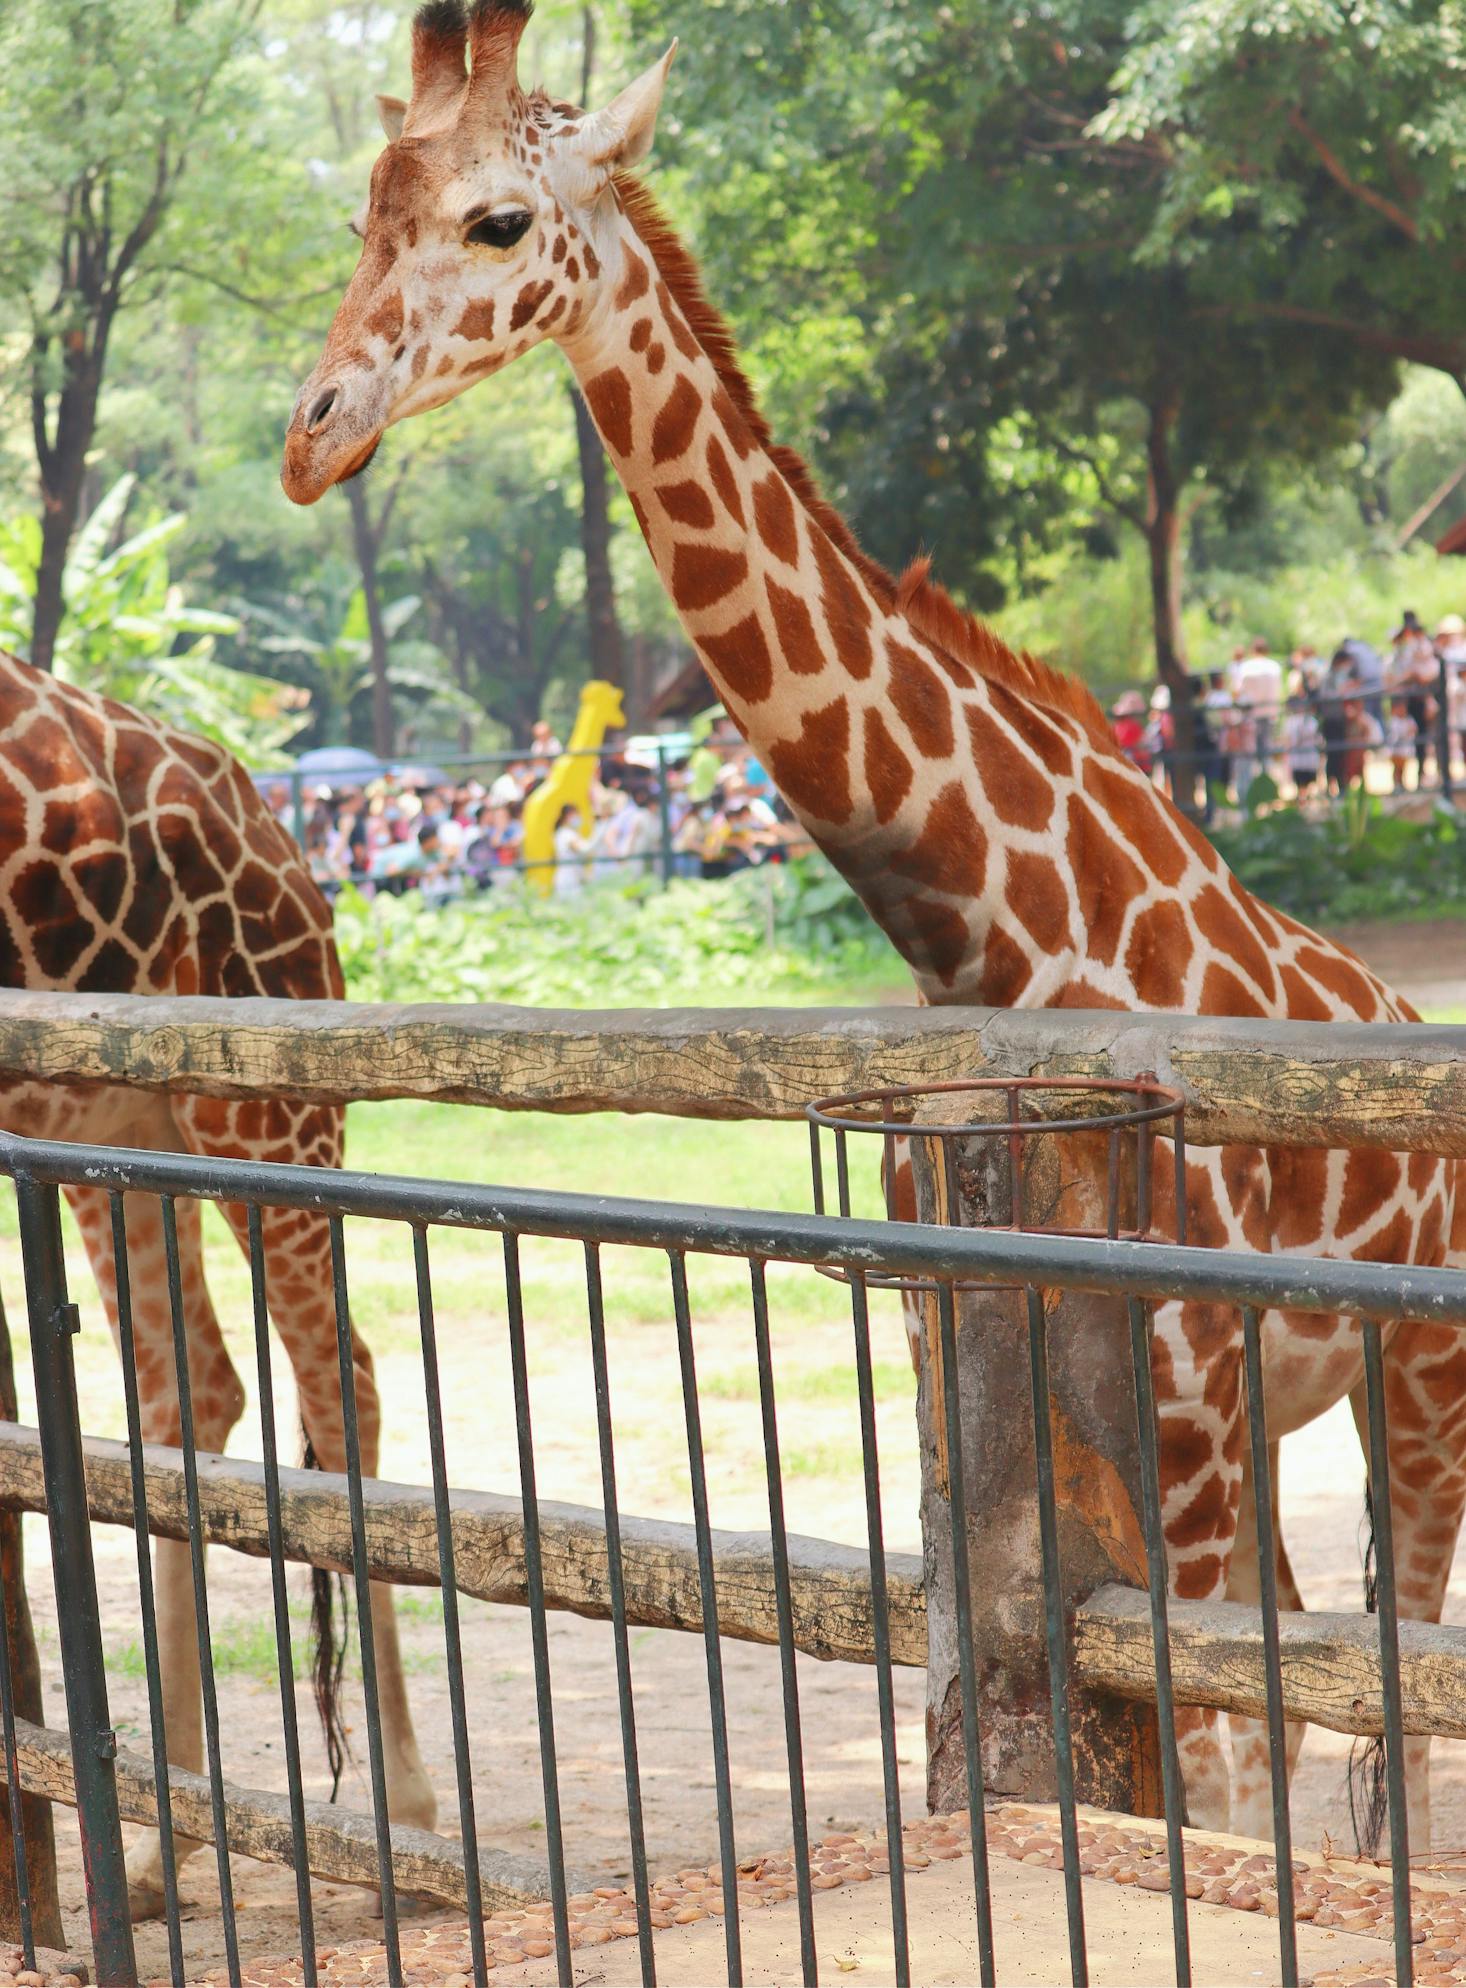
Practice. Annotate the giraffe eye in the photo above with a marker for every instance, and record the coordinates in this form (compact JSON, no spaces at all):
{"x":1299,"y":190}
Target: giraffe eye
{"x":501,"y":230}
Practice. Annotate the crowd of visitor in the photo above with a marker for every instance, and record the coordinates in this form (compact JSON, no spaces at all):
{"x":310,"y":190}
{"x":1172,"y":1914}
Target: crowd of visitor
{"x":1314,"y":726}
{"x":707,"y":814}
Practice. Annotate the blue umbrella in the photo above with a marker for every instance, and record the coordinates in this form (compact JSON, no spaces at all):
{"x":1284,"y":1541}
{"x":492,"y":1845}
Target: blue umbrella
{"x":341,"y":764}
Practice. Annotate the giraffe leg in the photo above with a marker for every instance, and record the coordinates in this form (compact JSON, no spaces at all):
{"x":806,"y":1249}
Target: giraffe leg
{"x":297,"y":1249}
{"x":218,"y":1399}
{"x":1197,"y":1366}
{"x":1425,"y":1403}
{"x":1252,"y":1810}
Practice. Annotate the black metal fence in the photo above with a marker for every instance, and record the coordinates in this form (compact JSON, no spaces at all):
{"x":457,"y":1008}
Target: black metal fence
{"x":1140,"y":1275}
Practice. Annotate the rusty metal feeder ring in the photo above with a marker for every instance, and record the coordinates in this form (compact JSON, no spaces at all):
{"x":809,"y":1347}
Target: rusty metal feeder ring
{"x":1127,"y":1111}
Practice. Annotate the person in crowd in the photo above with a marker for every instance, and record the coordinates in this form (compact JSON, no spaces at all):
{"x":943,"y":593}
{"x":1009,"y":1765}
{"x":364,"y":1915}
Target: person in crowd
{"x":544,"y":747}
{"x":1402,"y":735}
{"x":1127,"y":721}
{"x":1412,"y":674}
{"x":1302,"y":741}
{"x":1363,"y":734}
{"x":572,"y":847}
{"x":1367,"y":670}
{"x":1216,"y":705}
{"x":1339,"y":687}
{"x":1160,"y":734}
{"x":1257,"y":683}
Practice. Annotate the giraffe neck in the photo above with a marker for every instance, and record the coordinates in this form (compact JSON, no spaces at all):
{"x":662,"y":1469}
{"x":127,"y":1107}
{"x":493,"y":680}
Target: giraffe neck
{"x":872,"y":730}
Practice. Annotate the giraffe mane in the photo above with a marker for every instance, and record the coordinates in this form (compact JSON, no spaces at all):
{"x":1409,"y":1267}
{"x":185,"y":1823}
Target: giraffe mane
{"x":927,"y":605}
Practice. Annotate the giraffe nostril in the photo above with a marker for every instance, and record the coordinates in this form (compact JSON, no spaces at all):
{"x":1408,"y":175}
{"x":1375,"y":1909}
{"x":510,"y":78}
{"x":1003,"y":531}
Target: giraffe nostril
{"x":324,"y":402}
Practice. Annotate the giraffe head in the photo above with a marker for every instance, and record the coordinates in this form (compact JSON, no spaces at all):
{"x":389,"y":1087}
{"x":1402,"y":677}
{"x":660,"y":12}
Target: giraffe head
{"x":491,"y":224}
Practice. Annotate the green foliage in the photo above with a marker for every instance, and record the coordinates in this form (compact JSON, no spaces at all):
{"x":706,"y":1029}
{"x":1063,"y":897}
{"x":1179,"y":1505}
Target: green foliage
{"x":1357,"y":862}
{"x":130,"y":634}
{"x":776,"y":933}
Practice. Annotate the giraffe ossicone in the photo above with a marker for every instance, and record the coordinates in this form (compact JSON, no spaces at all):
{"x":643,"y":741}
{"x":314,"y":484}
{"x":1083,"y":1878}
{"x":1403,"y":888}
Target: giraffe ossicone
{"x":973,"y":797}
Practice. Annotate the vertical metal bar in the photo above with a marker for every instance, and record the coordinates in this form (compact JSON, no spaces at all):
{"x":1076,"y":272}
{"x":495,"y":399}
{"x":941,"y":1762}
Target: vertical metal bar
{"x":13,"y":1792}
{"x":448,"y":1578}
{"x":962,"y":1595}
{"x":664,"y":816}
{"x":784,"y":1611}
{"x":93,"y":1743}
{"x":539,"y":1636}
{"x":1112,"y":1187}
{"x":842,"y":1170}
{"x":1054,"y":1626}
{"x":1144,"y":1161}
{"x":1389,"y":1648}
{"x":212,"y":1748}
{"x":351,"y":1443}
{"x":596,"y":1314}
{"x":816,"y":1168}
{"x":1267,"y":1575}
{"x":147,"y":1605}
{"x":284,"y":1654}
{"x":881,"y":1628}
{"x":717,"y":1707}
{"x":1178,"y":1155}
{"x":1155,"y":1555}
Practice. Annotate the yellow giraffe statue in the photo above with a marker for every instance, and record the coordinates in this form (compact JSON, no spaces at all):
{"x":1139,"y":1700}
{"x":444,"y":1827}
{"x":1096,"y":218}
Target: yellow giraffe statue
{"x":568,"y":782}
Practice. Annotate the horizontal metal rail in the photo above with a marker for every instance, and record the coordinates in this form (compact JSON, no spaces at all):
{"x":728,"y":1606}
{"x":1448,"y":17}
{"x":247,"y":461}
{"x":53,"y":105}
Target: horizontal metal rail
{"x":1397,"y":1086}
{"x":829,"y":1584}
{"x":1001,"y":1258}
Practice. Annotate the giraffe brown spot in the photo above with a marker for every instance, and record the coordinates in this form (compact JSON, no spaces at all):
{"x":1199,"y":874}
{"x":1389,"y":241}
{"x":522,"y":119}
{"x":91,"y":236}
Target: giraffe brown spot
{"x":1228,"y":932}
{"x":950,"y":854}
{"x":592,"y":261}
{"x":1391,"y":1245}
{"x":528,"y":302}
{"x":476,"y":321}
{"x":686,"y":503}
{"x":740,"y":657}
{"x":419,"y":362}
{"x":676,"y":423}
{"x":1106,"y":880}
{"x":656,"y":357}
{"x":1300,"y":1188}
{"x":1304,"y":1002}
{"x":888,"y":772}
{"x":1042,"y":738}
{"x":1134,"y":808}
{"x":812,"y":771}
{"x":641,"y":335}
{"x":1222,"y":993}
{"x":555,"y":311}
{"x":386,"y":320}
{"x":1006,"y":969}
{"x":102,"y":880}
{"x":1371,"y":1182}
{"x":1159,"y":954}
{"x":1084,"y":994}
{"x":635,"y":282}
{"x":724,"y":481}
{"x":734,"y":425}
{"x":794,"y":631}
{"x":847,"y":612}
{"x":773,"y":513}
{"x":961,"y":675}
{"x":1420,"y":1171}
{"x":444,"y":365}
{"x":476,"y":368}
{"x":676,"y":324}
{"x":703,"y":574}
{"x":572,"y":269}
{"x":609,"y":394}
{"x":93,"y":816}
{"x":1207,"y":1516}
{"x":110,"y":967}
{"x":1035,"y":894}
{"x":943,"y":937}
{"x":1342,"y":978}
{"x":923,"y":700}
{"x":55,"y":923}
{"x":557,"y":253}
{"x":1244,"y":1178}
{"x":1016,"y":789}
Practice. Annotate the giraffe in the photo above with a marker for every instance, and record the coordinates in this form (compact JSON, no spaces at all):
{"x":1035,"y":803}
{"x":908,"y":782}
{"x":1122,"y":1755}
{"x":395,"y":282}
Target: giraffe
{"x":973,"y":798}
{"x":138,"y":860}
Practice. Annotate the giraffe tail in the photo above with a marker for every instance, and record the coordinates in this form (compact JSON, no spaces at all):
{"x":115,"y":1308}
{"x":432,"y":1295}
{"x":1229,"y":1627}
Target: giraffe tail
{"x":328,"y":1663}
{"x":1368,"y":1800}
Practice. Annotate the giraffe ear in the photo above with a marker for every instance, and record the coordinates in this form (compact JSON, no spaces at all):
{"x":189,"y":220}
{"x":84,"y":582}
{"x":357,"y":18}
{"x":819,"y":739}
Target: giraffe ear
{"x":392,"y":111}
{"x":622,"y":133}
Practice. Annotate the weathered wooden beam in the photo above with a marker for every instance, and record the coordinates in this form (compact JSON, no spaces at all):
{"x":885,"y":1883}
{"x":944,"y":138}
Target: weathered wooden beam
{"x":830,"y":1585}
{"x":1331,"y":1667}
{"x":1401,"y":1087}
{"x":340,"y":1844}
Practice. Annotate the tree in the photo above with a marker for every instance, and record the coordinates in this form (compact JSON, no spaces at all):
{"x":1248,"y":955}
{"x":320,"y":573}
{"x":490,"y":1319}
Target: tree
{"x":104,"y":106}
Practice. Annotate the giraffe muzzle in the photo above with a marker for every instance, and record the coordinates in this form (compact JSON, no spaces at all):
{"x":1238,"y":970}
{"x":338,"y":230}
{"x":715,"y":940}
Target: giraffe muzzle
{"x":328,"y":441}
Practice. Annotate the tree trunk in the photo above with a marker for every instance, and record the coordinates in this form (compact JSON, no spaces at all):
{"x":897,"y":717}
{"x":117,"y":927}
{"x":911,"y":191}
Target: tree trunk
{"x":25,"y":1674}
{"x":384,"y":742}
{"x":1163,"y":547}
{"x":62,"y":467}
{"x":607,"y":650}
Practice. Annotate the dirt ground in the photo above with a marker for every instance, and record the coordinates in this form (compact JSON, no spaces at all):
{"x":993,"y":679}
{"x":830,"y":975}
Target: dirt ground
{"x":1322,"y":1477}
